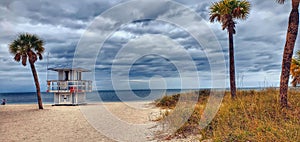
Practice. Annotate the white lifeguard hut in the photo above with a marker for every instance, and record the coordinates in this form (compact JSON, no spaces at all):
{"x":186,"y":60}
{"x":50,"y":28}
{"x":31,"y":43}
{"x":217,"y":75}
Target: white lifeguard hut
{"x":69,"y":89}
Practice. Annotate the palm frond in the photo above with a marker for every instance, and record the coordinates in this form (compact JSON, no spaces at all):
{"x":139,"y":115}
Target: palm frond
{"x":24,"y":59}
{"x":37,"y":44}
{"x":295,"y":81}
{"x":295,"y":72}
{"x":215,"y":12}
{"x":17,"y":57}
{"x":215,"y":17}
{"x":40,"y":55}
{"x":13,"y":47}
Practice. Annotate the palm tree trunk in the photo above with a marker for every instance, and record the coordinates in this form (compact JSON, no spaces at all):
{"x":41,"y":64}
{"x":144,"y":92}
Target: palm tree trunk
{"x":37,"y":85}
{"x":231,"y":64}
{"x":288,"y":52}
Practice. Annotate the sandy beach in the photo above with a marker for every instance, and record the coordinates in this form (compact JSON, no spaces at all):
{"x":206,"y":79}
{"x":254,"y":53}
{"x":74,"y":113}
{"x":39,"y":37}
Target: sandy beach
{"x":66,"y":123}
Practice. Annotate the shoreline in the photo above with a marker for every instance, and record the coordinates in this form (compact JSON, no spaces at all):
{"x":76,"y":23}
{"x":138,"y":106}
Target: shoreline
{"x":88,"y":103}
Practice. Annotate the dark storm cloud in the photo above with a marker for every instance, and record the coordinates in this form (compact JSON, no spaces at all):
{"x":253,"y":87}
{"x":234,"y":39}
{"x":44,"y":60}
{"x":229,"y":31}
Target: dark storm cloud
{"x":72,"y":14}
{"x":258,"y":43}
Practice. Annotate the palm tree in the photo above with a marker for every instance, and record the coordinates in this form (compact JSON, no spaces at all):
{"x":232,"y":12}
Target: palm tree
{"x":28,"y":46}
{"x":295,"y":70}
{"x":291,"y":37}
{"x":226,"y":12}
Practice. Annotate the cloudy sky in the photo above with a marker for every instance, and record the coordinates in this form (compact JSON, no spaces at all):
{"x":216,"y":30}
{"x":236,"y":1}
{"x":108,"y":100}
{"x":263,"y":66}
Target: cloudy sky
{"x":143,"y":44}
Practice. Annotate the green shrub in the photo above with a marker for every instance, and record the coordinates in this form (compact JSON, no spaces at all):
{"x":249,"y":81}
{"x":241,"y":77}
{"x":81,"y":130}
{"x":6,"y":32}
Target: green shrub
{"x":167,"y":101}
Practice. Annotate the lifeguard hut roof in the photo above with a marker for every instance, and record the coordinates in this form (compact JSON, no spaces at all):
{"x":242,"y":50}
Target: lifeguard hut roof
{"x":69,"y":69}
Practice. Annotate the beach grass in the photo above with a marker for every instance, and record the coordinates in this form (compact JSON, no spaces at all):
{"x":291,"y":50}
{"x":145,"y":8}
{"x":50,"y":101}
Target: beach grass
{"x":252,"y":116}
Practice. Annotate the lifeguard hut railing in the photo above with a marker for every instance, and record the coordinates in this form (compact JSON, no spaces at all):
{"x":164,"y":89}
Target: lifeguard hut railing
{"x":69,"y":86}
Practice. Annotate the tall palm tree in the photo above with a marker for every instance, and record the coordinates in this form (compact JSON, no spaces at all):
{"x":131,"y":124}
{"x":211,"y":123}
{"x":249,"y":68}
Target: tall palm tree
{"x":291,"y":37}
{"x":226,"y":12}
{"x":28,"y":46}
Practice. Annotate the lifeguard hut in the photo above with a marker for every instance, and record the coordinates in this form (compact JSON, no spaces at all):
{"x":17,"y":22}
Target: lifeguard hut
{"x":69,"y":89}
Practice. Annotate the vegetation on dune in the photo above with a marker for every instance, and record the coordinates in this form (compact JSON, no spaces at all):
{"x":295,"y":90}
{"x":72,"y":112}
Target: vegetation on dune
{"x":253,"y":116}
{"x":171,"y":101}
{"x":291,"y":37}
{"x":29,"y":48}
{"x":226,"y":12}
{"x":167,"y":101}
{"x":191,"y":127}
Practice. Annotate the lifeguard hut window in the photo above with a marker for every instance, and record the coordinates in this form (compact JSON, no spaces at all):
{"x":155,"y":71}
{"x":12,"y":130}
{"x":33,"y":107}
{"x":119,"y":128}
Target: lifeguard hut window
{"x":66,"y":75}
{"x":78,"y":76}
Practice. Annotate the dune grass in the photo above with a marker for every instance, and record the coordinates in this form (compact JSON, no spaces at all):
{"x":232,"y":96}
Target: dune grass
{"x":252,"y":116}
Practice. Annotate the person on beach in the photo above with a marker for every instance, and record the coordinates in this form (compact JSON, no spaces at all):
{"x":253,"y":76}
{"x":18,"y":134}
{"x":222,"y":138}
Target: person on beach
{"x":3,"y":102}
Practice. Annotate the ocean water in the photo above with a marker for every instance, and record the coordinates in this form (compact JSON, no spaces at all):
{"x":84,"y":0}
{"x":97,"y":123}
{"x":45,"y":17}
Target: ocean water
{"x":96,"y":96}
{"x":101,"y":96}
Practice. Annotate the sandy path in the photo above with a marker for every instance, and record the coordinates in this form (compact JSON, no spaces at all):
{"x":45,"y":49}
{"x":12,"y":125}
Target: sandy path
{"x":64,"y":123}
{"x":122,"y":121}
